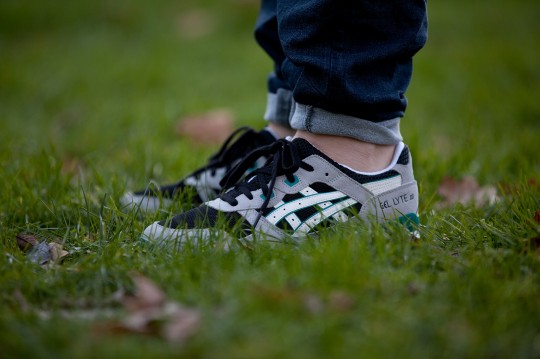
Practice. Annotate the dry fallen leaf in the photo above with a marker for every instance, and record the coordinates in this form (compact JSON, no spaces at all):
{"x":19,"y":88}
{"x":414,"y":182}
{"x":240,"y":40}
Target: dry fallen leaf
{"x":182,"y":323}
{"x":26,"y":241}
{"x":42,"y":253}
{"x":535,"y":245}
{"x":71,"y":166}
{"x":414,"y":287}
{"x":57,"y":252}
{"x":147,"y":295}
{"x":313,"y":303}
{"x":151,"y":314}
{"x":337,"y":300}
{"x":535,"y":242}
{"x":537,"y":216}
{"x":195,"y":24}
{"x":341,"y":301}
{"x":207,"y":128}
{"x":465,"y":191}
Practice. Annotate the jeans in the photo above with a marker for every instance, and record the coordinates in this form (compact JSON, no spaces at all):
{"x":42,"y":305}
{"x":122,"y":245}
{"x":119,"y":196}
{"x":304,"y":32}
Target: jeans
{"x":340,"y":67}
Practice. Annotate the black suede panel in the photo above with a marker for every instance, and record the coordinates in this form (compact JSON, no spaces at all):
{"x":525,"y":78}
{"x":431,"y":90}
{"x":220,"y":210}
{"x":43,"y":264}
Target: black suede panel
{"x":205,"y":217}
{"x":307,"y":212}
{"x":320,"y":187}
{"x":292,"y":197}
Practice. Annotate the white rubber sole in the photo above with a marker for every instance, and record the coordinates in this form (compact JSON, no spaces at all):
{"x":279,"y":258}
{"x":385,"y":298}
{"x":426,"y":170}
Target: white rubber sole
{"x":146,"y":204}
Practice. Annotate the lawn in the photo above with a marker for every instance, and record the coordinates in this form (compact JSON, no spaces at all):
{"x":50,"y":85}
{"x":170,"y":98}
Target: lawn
{"x":90,"y":94}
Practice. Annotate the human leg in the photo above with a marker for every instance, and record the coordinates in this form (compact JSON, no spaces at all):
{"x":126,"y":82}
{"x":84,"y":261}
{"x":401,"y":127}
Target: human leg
{"x":349,"y":71}
{"x":279,"y":98}
{"x":349,"y":97}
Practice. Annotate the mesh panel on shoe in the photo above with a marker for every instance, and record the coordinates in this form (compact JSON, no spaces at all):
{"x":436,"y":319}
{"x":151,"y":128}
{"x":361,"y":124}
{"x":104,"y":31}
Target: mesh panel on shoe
{"x":404,"y":156}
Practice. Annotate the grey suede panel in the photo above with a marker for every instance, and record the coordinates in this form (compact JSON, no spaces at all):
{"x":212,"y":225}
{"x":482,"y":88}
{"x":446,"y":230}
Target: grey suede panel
{"x":337,"y":179}
{"x":317,"y":120}
{"x":406,"y":172}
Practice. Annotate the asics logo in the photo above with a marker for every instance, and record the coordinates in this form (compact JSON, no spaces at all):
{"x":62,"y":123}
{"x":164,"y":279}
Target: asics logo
{"x":310,"y":210}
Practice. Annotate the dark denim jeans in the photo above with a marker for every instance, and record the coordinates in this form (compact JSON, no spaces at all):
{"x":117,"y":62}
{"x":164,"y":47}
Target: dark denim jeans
{"x":352,"y":58}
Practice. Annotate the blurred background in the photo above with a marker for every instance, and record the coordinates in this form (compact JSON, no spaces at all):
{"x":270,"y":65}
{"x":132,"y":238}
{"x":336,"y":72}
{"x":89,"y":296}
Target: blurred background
{"x":101,"y":85}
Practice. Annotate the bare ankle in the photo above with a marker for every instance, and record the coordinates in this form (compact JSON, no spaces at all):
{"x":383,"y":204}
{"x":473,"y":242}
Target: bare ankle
{"x":356,"y":154}
{"x":280,"y":130}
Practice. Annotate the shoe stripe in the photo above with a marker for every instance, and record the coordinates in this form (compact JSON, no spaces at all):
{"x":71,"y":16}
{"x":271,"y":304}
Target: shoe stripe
{"x":293,"y":221}
{"x":308,"y":191}
{"x":281,"y":212}
{"x":335,"y":211}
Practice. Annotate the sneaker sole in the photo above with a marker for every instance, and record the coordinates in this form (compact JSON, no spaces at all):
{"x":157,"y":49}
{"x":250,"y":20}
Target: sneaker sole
{"x":147,"y":204}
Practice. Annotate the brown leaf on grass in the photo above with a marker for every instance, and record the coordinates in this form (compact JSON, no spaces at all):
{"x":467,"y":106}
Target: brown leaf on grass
{"x":535,"y":242}
{"x":151,"y":314}
{"x":207,"y":128}
{"x":195,"y":24}
{"x":26,"y":241}
{"x":337,"y":301}
{"x":537,"y":216}
{"x":313,"y":303}
{"x":57,"y":252}
{"x":341,"y":301}
{"x":182,"y":324}
{"x":147,"y":295}
{"x":42,"y":253}
{"x":535,"y":245}
{"x":415,"y":287}
{"x":276,"y":295}
{"x":71,"y":166}
{"x":465,"y":191}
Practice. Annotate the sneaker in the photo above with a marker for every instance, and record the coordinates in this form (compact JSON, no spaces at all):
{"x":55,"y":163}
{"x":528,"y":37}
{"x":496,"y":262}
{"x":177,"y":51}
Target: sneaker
{"x":299,"y":191}
{"x":203,"y":184}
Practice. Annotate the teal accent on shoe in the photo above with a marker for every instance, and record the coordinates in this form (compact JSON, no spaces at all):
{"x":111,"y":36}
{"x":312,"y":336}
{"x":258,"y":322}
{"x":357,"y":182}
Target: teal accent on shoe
{"x":271,"y":196}
{"x":290,"y":184}
{"x":143,"y":238}
{"x":411,"y":221}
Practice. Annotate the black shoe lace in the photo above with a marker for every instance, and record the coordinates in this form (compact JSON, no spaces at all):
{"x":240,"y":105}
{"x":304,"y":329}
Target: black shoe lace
{"x":284,"y":160}
{"x":229,"y":151}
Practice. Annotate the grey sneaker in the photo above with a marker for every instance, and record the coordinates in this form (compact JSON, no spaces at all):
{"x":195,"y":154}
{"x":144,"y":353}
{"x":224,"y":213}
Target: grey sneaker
{"x":297,"y":192}
{"x":203,"y":184}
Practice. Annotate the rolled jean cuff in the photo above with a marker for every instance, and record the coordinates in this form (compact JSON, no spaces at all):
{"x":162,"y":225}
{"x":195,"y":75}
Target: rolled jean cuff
{"x":319,"y":121}
{"x":278,"y":107}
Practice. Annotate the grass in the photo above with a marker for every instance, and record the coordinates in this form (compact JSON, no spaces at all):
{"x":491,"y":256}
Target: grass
{"x":89,"y":94}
